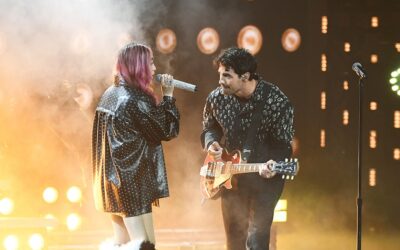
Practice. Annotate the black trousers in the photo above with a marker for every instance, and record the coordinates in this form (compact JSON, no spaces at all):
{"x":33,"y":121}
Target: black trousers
{"x":248,"y":211}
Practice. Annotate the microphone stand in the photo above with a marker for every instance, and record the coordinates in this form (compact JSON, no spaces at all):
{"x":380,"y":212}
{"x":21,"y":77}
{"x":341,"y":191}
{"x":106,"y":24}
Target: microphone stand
{"x":359,"y":198}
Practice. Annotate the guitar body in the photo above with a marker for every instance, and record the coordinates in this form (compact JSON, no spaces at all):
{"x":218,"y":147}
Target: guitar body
{"x":217,"y":174}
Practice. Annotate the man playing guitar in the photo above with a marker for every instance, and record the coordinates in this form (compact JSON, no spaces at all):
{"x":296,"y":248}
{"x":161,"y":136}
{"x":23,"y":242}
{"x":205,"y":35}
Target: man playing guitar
{"x":253,"y":116}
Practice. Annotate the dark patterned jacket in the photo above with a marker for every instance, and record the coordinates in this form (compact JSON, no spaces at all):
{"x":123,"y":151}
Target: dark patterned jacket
{"x":227,"y":118}
{"x":127,"y":156}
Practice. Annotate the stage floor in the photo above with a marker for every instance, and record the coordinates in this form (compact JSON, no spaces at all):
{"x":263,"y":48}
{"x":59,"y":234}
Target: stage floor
{"x":202,"y":239}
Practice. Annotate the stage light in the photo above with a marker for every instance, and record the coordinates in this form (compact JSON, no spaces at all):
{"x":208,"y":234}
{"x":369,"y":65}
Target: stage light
{"x":394,"y":81}
{"x":6,"y":206}
{"x":347,"y":47}
{"x":74,"y":194}
{"x":281,"y":205}
{"x":280,"y":216}
{"x":373,"y":106}
{"x":291,"y":40}
{"x":396,"y":119}
{"x":397,"y":46}
{"x":323,"y":100}
{"x":372,"y":177}
{"x":372,"y":139}
{"x":73,"y":222}
{"x":396,"y":154}
{"x":322,"y":138}
{"x":345,"y":85}
{"x":324,"y":24}
{"x":374,"y":58}
{"x":36,"y":242}
{"x":346,"y":117}
{"x":280,"y":213}
{"x":166,"y":41}
{"x":324,"y":63}
{"x":208,"y":40}
{"x":374,"y":22}
{"x":250,"y":38}
{"x":11,"y":242}
{"x":50,"y":195}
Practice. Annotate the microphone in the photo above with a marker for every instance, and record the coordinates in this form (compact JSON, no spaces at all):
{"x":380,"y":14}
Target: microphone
{"x":360,"y":71}
{"x":179,"y":84}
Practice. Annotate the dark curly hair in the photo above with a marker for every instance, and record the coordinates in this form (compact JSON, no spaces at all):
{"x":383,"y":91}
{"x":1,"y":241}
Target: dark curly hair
{"x":238,"y":59}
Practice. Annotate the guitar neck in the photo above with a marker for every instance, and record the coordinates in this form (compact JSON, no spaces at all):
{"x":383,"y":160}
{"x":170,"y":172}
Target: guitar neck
{"x":243,"y":168}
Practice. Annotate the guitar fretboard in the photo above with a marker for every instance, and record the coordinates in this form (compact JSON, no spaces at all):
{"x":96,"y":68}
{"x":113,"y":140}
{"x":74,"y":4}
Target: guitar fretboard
{"x":242,"y":168}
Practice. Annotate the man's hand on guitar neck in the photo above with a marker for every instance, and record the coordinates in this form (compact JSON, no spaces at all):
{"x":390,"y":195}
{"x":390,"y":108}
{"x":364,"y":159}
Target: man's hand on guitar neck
{"x":215,"y":150}
{"x":266,"y":169}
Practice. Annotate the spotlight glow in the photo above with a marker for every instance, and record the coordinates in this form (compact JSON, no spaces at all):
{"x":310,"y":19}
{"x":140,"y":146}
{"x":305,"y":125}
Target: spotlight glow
{"x":11,"y":242}
{"x":166,"y":41}
{"x":36,"y":242}
{"x":250,"y":38}
{"x":74,"y":194}
{"x":291,"y":40}
{"x":281,"y":205}
{"x":50,"y":195}
{"x":73,"y":222}
{"x":280,"y":216}
{"x":208,"y":40}
{"x":394,"y":81}
{"x":6,"y":206}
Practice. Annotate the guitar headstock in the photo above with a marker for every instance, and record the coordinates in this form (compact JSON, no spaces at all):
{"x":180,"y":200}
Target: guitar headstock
{"x":288,"y":168}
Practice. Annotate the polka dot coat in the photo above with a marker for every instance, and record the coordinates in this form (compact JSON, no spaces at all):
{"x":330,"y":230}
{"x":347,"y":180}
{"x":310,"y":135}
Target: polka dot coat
{"x":127,"y":156}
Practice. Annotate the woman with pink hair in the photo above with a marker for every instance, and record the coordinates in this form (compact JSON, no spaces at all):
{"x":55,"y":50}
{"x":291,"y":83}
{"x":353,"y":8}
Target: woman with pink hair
{"x":129,"y":173}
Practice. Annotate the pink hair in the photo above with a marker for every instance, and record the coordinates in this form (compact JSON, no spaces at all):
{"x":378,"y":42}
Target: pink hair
{"x":133,"y":65}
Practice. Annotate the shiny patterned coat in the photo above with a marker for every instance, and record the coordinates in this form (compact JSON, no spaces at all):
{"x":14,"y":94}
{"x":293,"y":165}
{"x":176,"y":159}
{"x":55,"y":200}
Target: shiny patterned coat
{"x":127,"y":156}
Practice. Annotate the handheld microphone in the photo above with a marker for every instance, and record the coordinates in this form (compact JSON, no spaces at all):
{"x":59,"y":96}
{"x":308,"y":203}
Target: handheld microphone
{"x":179,"y":84}
{"x":360,"y":71}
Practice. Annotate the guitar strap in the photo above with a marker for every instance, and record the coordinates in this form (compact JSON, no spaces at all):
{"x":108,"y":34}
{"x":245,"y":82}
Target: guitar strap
{"x":248,"y":147}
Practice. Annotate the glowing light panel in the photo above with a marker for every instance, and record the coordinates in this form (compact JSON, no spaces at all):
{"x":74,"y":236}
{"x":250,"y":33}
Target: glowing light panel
{"x":250,"y":38}
{"x":6,"y":206}
{"x":36,"y":242}
{"x":73,"y":222}
{"x":324,"y":24}
{"x":50,"y":195}
{"x":166,"y":41}
{"x":291,"y":40}
{"x":74,"y":194}
{"x":372,"y":177}
{"x":208,"y":40}
{"x":322,"y":138}
{"x":323,"y":100}
{"x":11,"y":242}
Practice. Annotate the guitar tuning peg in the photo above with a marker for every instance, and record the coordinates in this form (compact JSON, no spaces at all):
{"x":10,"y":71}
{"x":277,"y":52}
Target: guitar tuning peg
{"x":283,"y":177}
{"x":287,"y":177}
{"x":292,"y":178}
{"x":286,"y":160}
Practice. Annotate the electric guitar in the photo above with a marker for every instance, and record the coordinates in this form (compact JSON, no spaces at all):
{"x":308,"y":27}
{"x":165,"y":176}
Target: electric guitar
{"x":215,"y":174}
